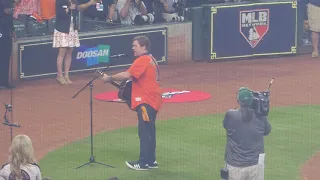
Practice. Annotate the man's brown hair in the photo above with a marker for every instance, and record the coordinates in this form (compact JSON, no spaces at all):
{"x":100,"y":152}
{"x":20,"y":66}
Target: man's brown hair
{"x":143,"y":41}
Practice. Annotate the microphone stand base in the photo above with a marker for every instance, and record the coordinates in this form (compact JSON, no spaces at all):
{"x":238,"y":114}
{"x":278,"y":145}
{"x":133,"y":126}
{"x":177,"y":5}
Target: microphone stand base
{"x":92,"y":160}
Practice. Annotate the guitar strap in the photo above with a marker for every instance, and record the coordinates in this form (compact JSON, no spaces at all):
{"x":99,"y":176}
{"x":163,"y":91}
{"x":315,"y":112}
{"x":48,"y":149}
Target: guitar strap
{"x":156,"y":63}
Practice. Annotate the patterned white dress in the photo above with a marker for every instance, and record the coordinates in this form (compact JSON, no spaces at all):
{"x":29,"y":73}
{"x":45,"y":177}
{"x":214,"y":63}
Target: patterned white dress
{"x":61,"y":39}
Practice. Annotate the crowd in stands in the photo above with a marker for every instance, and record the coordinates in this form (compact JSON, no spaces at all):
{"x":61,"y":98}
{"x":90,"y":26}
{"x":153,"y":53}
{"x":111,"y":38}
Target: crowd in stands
{"x":117,"y":13}
{"x":112,"y":12}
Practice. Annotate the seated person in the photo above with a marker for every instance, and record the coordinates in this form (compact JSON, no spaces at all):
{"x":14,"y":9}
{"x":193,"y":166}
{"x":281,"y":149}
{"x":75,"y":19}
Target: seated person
{"x":22,"y":164}
{"x":26,"y":7}
{"x":102,"y":10}
{"x":129,"y":9}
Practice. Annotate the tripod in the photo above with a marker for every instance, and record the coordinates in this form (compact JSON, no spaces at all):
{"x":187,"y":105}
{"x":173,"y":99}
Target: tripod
{"x":92,"y":158}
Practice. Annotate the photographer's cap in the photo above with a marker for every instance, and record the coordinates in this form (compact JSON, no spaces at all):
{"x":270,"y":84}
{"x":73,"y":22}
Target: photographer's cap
{"x":245,"y":95}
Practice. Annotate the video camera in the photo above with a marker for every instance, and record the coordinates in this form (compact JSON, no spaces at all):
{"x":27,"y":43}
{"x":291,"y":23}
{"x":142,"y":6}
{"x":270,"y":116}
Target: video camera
{"x":260,"y":102}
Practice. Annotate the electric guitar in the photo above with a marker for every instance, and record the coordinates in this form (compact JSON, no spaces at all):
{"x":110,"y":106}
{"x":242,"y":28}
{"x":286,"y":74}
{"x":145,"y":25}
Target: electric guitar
{"x":125,"y":89}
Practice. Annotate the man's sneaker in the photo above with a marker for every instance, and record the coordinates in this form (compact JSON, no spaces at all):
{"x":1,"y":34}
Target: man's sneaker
{"x":154,"y":165}
{"x":136,"y":165}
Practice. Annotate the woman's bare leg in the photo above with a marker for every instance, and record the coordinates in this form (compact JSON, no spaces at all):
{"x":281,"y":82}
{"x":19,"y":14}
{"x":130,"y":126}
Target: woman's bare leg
{"x":315,"y":42}
{"x":61,"y":55}
{"x":67,"y":64}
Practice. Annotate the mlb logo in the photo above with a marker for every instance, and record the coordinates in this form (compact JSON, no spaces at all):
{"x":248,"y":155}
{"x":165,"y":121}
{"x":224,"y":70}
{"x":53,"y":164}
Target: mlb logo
{"x":254,"y":24}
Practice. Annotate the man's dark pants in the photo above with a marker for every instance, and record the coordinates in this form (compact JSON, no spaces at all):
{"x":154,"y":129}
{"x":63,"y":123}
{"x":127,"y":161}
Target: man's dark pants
{"x":147,"y":135}
{"x":5,"y":54}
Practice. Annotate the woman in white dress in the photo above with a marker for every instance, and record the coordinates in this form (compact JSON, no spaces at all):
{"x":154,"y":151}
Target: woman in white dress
{"x":65,"y":37}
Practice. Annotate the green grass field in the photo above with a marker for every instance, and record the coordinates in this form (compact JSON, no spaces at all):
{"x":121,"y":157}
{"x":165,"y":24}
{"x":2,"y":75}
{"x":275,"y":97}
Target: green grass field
{"x":190,"y":148}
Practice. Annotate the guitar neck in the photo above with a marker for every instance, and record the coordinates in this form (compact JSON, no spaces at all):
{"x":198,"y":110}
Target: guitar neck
{"x":111,"y":82}
{"x":115,"y":84}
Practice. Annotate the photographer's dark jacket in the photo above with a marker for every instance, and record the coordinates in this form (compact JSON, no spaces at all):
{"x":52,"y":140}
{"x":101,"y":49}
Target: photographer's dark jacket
{"x":63,"y":19}
{"x":245,"y":140}
{"x":6,"y":21}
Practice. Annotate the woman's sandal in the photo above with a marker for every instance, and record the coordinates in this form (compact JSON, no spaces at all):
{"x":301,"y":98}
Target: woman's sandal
{"x":67,"y":79}
{"x":61,"y":80}
{"x":315,"y":55}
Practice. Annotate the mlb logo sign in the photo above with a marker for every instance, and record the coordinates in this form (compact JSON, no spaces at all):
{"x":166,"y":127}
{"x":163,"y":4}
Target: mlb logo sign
{"x":254,"y":24}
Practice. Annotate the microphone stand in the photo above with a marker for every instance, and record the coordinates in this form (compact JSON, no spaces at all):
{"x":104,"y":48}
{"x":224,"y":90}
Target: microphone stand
{"x":9,"y":106}
{"x":92,"y":157}
{"x":7,"y":122}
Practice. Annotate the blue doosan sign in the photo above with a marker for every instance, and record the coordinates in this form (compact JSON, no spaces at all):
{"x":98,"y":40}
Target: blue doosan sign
{"x":95,"y":55}
{"x":38,"y":58}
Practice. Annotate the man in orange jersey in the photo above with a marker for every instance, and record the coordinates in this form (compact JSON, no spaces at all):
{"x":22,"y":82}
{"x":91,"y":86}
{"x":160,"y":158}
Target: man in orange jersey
{"x":146,"y":100}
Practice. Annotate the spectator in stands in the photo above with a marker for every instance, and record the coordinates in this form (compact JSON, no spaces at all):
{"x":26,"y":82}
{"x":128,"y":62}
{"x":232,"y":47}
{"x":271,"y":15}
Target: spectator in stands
{"x":65,"y":37}
{"x":26,"y":7}
{"x":244,"y":154}
{"x":129,"y":9}
{"x":22,"y":164}
{"x":314,"y":24}
{"x":7,"y":34}
{"x":168,"y":9}
{"x":168,"y":6}
{"x":48,"y":9}
{"x":98,"y":9}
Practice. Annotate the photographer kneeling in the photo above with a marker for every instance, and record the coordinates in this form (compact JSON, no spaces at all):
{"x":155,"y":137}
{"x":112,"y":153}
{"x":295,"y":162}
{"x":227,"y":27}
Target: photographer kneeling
{"x":244,"y":154}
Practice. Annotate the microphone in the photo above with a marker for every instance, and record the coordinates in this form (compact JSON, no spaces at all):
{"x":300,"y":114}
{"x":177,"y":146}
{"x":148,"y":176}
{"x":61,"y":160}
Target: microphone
{"x":118,"y":55}
{"x":7,"y":106}
{"x":114,"y":57}
{"x":11,"y":124}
